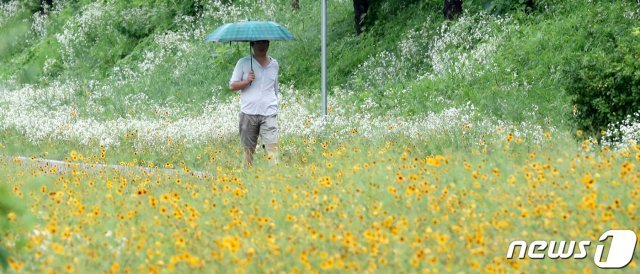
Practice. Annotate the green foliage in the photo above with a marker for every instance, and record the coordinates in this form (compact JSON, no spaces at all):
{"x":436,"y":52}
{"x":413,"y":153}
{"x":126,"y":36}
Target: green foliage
{"x":7,"y":206}
{"x":606,"y":82}
{"x":86,"y":39}
{"x":384,"y":11}
{"x":495,"y":6}
{"x":533,"y":66}
{"x":7,"y":41}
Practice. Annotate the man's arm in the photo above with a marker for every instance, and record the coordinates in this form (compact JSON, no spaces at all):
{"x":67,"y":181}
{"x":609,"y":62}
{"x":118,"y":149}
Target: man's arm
{"x":236,"y":82}
{"x":240,"y":85}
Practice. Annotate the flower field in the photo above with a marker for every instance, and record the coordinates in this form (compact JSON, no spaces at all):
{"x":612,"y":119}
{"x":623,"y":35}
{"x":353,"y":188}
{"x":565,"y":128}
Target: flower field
{"x":445,"y":140}
{"x":345,"y":205}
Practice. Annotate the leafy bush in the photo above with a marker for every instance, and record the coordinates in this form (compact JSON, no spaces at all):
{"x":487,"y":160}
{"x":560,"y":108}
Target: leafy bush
{"x":605,"y":83}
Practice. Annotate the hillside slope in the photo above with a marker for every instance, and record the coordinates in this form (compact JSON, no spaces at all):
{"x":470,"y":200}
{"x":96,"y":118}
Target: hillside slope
{"x":119,"y":63}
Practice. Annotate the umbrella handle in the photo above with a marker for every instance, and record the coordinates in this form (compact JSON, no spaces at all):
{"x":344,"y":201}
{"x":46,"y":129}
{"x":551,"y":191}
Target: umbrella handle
{"x":251,"y":58}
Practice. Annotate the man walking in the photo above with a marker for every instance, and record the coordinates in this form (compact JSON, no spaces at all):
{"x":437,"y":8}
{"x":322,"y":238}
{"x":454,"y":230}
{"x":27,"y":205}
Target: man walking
{"x":256,"y":77}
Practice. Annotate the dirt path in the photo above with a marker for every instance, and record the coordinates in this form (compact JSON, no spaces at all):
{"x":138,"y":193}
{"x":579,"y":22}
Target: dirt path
{"x":64,"y":167}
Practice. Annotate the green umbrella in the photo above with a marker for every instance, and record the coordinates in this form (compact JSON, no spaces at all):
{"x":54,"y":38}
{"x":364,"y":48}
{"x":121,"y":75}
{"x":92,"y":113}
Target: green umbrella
{"x":248,"y":31}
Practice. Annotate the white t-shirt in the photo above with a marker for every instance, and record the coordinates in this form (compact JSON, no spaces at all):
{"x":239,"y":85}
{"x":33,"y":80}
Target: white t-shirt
{"x":261,"y":97}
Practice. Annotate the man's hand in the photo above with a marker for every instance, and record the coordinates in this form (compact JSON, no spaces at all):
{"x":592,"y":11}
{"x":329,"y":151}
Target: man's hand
{"x":251,"y":76}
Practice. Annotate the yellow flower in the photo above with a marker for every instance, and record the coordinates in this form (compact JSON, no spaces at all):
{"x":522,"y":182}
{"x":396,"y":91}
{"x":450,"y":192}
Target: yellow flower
{"x":496,"y":172}
{"x":382,"y":261}
{"x":433,"y":161}
{"x":442,"y":239}
{"x":587,"y":181}
{"x":153,"y":202}
{"x":415,"y":262}
{"x":115,"y":267}
{"x":180,"y":241}
{"x":11,"y":217}
{"x":57,"y":248}
{"x":589,"y":201}
{"x":509,"y":137}
{"x":392,"y":190}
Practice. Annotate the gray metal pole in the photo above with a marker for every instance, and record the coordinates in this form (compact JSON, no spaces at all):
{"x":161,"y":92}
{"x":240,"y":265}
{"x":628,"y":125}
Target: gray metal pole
{"x":324,"y":59}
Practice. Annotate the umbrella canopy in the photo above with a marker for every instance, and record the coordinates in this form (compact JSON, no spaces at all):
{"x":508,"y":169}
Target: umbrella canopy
{"x":250,"y":31}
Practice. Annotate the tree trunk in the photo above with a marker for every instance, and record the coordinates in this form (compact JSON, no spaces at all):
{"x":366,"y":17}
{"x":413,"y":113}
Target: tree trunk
{"x":295,"y":5}
{"x":360,"y":7}
{"x":452,"y":9}
{"x":45,"y":6}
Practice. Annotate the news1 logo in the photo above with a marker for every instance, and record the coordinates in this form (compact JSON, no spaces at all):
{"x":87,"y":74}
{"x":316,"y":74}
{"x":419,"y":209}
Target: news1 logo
{"x":621,"y":250}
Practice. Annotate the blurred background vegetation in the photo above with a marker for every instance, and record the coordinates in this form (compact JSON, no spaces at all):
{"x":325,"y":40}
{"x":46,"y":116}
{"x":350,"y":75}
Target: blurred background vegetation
{"x":570,"y":64}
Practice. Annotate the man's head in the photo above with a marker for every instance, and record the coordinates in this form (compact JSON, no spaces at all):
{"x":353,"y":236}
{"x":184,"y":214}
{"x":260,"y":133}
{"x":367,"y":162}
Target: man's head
{"x":260,"y":47}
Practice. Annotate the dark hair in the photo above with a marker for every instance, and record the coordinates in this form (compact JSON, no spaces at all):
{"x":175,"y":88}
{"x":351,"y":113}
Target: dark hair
{"x":254,"y":42}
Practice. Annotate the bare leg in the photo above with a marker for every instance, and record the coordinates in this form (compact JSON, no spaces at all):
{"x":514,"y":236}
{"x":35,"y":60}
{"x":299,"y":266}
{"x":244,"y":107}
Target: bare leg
{"x":248,"y":155}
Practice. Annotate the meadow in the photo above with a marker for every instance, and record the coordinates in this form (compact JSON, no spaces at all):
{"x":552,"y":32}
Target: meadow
{"x":445,"y":141}
{"x":348,"y":205}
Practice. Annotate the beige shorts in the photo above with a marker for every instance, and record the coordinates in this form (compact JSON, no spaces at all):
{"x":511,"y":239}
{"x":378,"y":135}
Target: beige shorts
{"x":252,"y":126}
